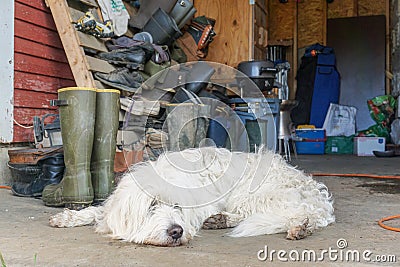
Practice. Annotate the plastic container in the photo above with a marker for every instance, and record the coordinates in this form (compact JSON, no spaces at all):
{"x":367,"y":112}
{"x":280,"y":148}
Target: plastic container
{"x":312,"y":141}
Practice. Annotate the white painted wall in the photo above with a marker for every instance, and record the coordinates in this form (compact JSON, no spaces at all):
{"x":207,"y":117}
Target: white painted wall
{"x":6,"y":70}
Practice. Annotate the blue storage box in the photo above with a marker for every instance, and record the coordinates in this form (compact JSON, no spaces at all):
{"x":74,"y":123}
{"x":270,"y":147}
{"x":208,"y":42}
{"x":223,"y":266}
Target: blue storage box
{"x":312,"y":141}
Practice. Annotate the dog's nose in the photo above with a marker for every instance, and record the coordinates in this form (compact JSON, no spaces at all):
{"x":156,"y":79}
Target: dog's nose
{"x":175,"y":231}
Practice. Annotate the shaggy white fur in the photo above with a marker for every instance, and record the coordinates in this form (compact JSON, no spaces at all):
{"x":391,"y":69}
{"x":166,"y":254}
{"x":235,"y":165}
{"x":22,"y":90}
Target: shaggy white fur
{"x":165,"y":202}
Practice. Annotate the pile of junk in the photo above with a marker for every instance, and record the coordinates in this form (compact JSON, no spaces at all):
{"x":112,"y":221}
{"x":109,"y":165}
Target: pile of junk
{"x":160,"y":97}
{"x":98,"y":133}
{"x":157,"y":48}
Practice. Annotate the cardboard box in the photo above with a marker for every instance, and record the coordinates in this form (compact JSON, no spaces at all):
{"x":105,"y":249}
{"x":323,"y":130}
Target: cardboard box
{"x":312,"y":141}
{"x":339,"y":145}
{"x":364,"y":146}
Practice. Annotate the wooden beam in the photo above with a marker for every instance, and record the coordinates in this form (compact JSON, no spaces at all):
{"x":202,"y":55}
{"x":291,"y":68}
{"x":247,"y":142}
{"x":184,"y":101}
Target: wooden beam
{"x":355,"y":8}
{"x":98,"y":65}
{"x":324,"y":22}
{"x":387,"y":35}
{"x":69,"y":38}
{"x":92,"y":3}
{"x":92,"y":42}
{"x":99,"y":85}
{"x":251,"y":32}
{"x":294,"y":66}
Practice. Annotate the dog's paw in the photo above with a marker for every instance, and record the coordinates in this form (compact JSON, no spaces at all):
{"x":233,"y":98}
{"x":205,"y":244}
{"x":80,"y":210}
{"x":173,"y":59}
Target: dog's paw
{"x":299,"y":231}
{"x":217,"y":221}
{"x":62,"y":219}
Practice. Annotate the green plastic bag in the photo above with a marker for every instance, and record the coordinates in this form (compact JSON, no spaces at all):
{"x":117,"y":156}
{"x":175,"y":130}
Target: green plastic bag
{"x":381,"y":109}
{"x":376,"y":130}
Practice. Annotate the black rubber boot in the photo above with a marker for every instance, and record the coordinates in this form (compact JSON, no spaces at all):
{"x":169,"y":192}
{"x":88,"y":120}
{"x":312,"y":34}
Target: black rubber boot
{"x":121,"y":79}
{"x":125,"y":56}
{"x":52,"y":173}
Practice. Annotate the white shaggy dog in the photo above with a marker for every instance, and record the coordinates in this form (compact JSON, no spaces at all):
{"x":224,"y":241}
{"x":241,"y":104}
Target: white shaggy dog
{"x":167,"y":201}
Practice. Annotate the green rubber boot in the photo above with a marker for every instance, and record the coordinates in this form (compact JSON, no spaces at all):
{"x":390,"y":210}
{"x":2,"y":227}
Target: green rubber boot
{"x":77,"y":108}
{"x":104,"y":144}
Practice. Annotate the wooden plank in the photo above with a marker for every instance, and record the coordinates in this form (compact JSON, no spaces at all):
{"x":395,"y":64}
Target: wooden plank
{"x":251,"y":32}
{"x":27,"y":30}
{"x":95,"y":64}
{"x":92,"y":42}
{"x":32,"y":99}
{"x":100,"y":85}
{"x":370,"y":8}
{"x":263,"y":4}
{"x":281,"y":20}
{"x":324,"y":18}
{"x":342,"y":9}
{"x":311,"y":17}
{"x":69,"y":38}
{"x":231,"y":45}
{"x":34,"y":16}
{"x":260,"y":16}
{"x":92,"y":3}
{"x":295,"y":56}
{"x":76,"y":14}
{"x":42,"y":83}
{"x":260,"y":33}
{"x":388,"y":53}
{"x":31,"y":64}
{"x":355,"y":4}
{"x":22,"y":135}
{"x":39,"y":50}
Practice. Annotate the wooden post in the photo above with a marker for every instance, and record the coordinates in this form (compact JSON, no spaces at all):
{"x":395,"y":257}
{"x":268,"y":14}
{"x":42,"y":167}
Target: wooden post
{"x":295,"y":54}
{"x":387,"y":39}
{"x":251,"y":31}
{"x":69,"y":38}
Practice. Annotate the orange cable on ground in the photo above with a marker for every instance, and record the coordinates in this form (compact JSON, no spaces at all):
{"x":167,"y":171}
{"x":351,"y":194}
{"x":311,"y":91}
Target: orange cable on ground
{"x":380,"y":222}
{"x":358,"y":175}
{"x":5,"y":187}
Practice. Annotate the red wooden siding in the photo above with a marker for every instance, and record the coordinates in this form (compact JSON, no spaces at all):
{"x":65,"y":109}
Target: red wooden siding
{"x":40,"y":65}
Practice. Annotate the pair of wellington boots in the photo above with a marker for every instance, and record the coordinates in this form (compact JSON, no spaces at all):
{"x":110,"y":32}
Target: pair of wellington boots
{"x":89,"y":124}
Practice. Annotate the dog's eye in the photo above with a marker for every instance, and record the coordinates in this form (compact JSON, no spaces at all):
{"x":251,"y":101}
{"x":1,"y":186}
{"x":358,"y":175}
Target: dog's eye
{"x":152,"y":209}
{"x":153,"y":205}
{"x":176,"y":206}
{"x":154,"y":202}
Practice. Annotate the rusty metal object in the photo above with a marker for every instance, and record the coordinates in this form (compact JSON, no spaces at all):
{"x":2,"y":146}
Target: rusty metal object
{"x":31,"y":155}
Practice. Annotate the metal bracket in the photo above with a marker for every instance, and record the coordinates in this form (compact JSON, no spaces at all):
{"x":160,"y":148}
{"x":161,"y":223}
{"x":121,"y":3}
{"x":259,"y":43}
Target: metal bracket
{"x":57,"y":102}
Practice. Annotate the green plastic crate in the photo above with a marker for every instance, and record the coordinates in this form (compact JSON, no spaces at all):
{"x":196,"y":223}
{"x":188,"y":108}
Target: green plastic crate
{"x":339,"y":145}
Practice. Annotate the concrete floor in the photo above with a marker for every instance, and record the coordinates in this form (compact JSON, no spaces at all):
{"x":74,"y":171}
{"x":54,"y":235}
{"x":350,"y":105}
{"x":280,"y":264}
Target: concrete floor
{"x":27,"y":240}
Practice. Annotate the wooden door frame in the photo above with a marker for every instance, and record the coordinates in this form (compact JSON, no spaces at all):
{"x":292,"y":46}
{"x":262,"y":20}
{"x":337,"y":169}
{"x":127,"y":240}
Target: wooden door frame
{"x":7,"y":71}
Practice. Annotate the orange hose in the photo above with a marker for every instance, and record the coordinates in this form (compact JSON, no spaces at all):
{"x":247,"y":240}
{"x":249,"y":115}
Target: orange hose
{"x":358,"y":175}
{"x":5,"y":187}
{"x":380,"y":222}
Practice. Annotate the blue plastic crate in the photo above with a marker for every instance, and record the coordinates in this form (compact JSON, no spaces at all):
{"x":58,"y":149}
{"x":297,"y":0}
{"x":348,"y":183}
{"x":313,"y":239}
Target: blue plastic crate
{"x":313,"y":141}
{"x":311,"y":134}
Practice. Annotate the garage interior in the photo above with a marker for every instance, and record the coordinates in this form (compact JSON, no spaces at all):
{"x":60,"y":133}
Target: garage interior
{"x":365,"y":38}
